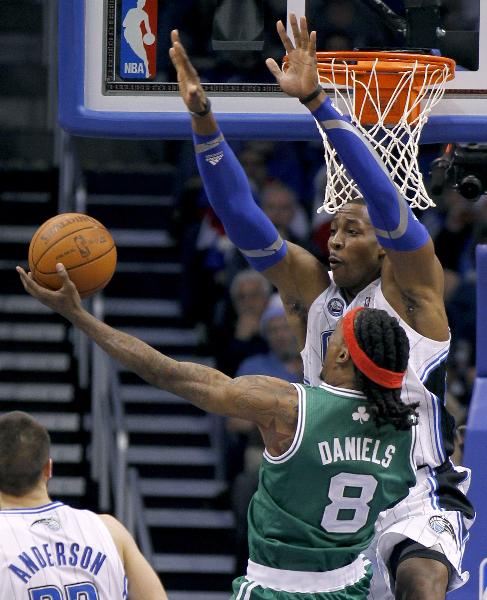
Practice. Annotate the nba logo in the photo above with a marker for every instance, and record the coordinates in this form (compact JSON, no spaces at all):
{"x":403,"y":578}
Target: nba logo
{"x":483,"y":580}
{"x":138,"y":39}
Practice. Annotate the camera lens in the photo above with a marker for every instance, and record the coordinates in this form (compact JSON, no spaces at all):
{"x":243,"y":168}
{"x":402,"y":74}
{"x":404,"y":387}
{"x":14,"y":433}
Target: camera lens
{"x":470,"y":187}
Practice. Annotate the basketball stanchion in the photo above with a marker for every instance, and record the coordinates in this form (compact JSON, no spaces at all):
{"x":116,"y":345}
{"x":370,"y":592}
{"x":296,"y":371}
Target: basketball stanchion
{"x":388,"y":97}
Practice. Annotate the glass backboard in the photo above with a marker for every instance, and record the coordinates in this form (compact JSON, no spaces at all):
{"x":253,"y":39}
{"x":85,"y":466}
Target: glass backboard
{"x":116,"y":78}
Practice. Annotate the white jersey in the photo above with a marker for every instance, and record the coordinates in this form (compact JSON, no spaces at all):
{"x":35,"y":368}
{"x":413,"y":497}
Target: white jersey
{"x":425,"y":377}
{"x":55,"y":552}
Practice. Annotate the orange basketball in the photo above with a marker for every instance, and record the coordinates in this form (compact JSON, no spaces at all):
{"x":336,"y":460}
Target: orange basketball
{"x":82,"y":244}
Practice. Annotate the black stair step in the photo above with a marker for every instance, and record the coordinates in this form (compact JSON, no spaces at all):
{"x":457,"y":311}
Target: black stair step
{"x":21,"y":15}
{"x":124,"y":181}
{"x":137,"y":216}
{"x":23,"y":80}
{"x":197,"y":595}
{"x":16,"y":182}
{"x":186,"y":409}
{"x":35,"y":376}
{"x":195,"y":503}
{"x":186,"y":471}
{"x":209,"y":541}
{"x":28,"y":346}
{"x":146,"y":255}
{"x":144,"y":284}
{"x":144,"y":320}
{"x":188,"y":580}
{"x":169,"y":439}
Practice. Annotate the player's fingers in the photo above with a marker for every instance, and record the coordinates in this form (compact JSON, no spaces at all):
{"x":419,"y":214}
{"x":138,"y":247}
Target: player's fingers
{"x":23,"y":275}
{"x":184,"y":61}
{"x":312,"y":45}
{"x":286,"y":42}
{"x":28,"y":282}
{"x":295,"y":29}
{"x":303,"y":24}
{"x":274,"y":68}
{"x":64,"y":276}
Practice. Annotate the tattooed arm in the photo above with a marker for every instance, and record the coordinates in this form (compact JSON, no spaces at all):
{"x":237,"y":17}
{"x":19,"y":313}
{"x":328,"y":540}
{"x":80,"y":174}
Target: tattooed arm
{"x":269,"y":402}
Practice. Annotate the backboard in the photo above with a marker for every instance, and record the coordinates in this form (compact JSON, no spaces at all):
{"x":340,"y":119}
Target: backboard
{"x":116,"y":79}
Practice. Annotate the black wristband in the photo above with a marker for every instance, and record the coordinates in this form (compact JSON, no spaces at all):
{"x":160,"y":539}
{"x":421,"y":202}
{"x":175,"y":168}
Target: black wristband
{"x":314,"y":94}
{"x":205,"y":111}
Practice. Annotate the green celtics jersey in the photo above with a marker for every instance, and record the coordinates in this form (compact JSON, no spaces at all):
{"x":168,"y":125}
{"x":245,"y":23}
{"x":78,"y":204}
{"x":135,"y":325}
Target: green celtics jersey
{"x":317,"y":503}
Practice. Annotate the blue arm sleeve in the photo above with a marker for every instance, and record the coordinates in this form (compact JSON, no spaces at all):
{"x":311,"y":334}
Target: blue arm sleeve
{"x":395,"y":225}
{"x":228,"y":191}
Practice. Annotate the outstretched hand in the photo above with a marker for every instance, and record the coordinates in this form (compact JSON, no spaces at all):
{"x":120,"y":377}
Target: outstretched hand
{"x":299,"y":77}
{"x":190,"y":88}
{"x":66,"y":301}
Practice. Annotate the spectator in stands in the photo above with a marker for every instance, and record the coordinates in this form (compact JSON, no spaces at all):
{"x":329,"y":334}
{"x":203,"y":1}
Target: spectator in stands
{"x":47,"y":546}
{"x":236,"y":334}
{"x":461,"y":309}
{"x":453,"y":241}
{"x":283,"y":359}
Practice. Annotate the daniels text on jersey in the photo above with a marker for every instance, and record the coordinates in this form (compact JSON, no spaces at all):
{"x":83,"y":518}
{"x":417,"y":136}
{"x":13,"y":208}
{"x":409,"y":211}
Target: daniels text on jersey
{"x":356,"y":448}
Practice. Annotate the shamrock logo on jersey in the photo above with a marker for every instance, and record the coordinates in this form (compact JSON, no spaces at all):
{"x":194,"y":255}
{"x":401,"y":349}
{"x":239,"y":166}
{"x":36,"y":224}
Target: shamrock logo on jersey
{"x":361,"y":415}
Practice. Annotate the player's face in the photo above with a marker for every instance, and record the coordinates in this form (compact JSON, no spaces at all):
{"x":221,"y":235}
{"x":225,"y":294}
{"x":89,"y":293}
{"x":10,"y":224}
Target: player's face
{"x":355,"y":255}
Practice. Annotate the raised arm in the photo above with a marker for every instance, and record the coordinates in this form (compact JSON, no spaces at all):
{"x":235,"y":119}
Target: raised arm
{"x":297,"y":274}
{"x":270,"y":403}
{"x":412,"y":276}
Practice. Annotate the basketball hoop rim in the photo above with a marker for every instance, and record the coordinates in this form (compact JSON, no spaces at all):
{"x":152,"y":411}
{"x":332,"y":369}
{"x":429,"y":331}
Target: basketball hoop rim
{"x":363,"y":62}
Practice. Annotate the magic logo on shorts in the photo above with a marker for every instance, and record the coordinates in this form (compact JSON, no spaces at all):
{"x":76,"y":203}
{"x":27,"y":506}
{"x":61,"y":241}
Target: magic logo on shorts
{"x":138,"y":39}
{"x":441,"y":525}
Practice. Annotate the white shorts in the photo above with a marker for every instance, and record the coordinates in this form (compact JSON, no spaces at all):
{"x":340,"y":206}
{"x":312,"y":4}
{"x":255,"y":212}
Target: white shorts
{"x":420,"y":518}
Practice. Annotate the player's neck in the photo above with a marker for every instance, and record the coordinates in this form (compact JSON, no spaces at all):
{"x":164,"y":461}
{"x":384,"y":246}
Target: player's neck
{"x":341,"y":380}
{"x":38,"y":497}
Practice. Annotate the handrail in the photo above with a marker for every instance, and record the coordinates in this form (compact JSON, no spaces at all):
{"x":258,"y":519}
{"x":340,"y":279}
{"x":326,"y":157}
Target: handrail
{"x":110,"y":441}
{"x":136,"y":523}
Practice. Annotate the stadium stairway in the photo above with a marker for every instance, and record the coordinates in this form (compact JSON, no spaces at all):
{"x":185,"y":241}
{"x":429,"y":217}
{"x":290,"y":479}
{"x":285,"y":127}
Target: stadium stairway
{"x":37,"y":372}
{"x":171,"y":442}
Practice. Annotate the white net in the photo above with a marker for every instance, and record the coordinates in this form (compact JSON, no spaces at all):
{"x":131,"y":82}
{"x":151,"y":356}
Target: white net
{"x":420,"y":88}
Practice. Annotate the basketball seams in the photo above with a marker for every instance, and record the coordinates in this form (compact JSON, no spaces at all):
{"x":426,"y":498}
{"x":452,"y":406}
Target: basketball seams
{"x":88,"y":262}
{"x":37,"y":234}
{"x":45,"y":225}
{"x":91,"y":226}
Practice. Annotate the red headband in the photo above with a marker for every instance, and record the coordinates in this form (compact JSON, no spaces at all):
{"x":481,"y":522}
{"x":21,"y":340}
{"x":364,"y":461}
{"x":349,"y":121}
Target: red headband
{"x":379,"y":375}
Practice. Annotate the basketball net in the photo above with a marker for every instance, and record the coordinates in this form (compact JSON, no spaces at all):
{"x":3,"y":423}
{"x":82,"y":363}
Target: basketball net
{"x":388,"y":97}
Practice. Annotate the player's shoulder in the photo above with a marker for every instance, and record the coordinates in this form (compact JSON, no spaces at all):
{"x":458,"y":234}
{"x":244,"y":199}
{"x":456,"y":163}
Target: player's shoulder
{"x":118,"y":531}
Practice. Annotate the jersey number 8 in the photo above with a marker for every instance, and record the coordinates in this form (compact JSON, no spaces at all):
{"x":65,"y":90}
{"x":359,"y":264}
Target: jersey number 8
{"x":77,"y":591}
{"x":339,"y":502}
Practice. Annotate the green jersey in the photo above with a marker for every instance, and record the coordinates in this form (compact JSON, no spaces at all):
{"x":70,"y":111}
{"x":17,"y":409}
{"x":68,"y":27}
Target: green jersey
{"x":317,"y":503}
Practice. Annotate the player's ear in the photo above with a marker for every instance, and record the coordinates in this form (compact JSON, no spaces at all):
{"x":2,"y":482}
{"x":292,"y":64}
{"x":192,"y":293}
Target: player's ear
{"x":344,"y":355}
{"x":47,"y":470}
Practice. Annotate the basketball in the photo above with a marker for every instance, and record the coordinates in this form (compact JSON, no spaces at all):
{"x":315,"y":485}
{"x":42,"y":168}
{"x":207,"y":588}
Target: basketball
{"x":149,"y":39}
{"x":82,"y":244}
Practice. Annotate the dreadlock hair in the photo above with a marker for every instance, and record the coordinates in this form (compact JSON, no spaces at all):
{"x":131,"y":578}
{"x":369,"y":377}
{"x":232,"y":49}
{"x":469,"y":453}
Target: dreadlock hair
{"x":385,"y":342}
